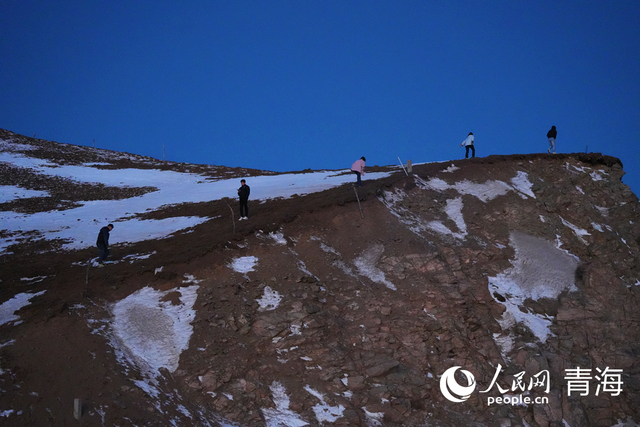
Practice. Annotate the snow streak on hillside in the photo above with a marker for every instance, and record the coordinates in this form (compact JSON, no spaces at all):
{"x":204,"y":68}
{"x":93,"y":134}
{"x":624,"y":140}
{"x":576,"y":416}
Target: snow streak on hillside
{"x":78,"y":227}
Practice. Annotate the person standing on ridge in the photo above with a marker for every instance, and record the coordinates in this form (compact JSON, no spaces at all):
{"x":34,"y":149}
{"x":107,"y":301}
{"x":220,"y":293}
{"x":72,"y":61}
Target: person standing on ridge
{"x":103,"y":244}
{"x":552,"y":140}
{"x":358,"y":168}
{"x":243,"y":194}
{"x":468,"y":143}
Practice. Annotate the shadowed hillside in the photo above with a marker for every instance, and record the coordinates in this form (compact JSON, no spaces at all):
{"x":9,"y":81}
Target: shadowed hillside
{"x":522,"y":271}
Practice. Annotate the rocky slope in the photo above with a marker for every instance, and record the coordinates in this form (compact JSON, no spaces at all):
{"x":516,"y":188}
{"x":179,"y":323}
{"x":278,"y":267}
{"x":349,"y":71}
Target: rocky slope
{"x":518,"y":269}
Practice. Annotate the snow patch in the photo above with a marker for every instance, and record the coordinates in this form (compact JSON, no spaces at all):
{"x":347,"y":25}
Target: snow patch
{"x":33,"y":279}
{"x":373,"y":419}
{"x":323,"y":411}
{"x":10,"y":307}
{"x":243,"y":264}
{"x":540,"y":270}
{"x":137,"y":257}
{"x":366,"y":265}
{"x":278,"y":237}
{"x":13,"y":192}
{"x":270,"y":300}
{"x":154,"y":331}
{"x":281,"y":415}
{"x":188,"y":278}
{"x":13,"y":147}
{"x":579,"y":232}
{"x":454,"y":211}
{"x":485,"y":191}
{"x":628,"y":423}
{"x":392,"y":200}
{"x":522,"y":184}
{"x":303,"y":267}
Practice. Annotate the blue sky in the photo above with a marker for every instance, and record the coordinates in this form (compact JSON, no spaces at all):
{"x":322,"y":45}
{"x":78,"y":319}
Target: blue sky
{"x":289,"y":85}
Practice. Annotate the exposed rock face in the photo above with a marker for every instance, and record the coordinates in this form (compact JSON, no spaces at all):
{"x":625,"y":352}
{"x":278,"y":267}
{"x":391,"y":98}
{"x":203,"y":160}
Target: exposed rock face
{"x":528,"y":263}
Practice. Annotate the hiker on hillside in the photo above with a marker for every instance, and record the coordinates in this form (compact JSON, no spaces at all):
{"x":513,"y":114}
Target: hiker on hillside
{"x":468,"y":144}
{"x":358,"y":168}
{"x":552,"y":140}
{"x":243,"y":194}
{"x":103,"y":244}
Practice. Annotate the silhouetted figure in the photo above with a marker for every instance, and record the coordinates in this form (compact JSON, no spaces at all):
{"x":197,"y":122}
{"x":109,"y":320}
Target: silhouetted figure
{"x":243,"y":194}
{"x":103,"y":244}
{"x":552,"y":140}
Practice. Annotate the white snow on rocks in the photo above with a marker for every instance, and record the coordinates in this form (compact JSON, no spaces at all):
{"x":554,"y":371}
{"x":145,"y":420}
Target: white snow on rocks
{"x":366,"y":265}
{"x":540,"y":270}
{"x":243,"y":264}
{"x":278,"y":237}
{"x":11,"y":192}
{"x":522,"y":184}
{"x":628,"y":423}
{"x":10,"y":307}
{"x":14,"y":146}
{"x":281,"y":415}
{"x":393,"y":201}
{"x":338,"y":263}
{"x":454,"y":211}
{"x":596,"y":174}
{"x":374,"y":419}
{"x":485,"y":191}
{"x":325,"y":412}
{"x":152,"y":331}
{"x":270,"y":299}
{"x":78,"y":227}
{"x":579,"y":232}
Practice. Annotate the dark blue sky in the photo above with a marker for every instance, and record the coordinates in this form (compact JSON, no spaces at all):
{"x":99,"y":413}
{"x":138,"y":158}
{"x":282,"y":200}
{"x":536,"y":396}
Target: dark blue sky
{"x":288,"y":85}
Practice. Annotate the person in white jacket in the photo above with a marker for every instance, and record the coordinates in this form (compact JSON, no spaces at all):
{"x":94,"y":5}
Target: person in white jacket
{"x":468,"y":143}
{"x":358,"y":168}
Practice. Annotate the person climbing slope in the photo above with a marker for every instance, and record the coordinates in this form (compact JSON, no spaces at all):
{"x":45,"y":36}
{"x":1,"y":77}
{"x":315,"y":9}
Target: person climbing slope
{"x":358,"y":168}
{"x":468,"y":143}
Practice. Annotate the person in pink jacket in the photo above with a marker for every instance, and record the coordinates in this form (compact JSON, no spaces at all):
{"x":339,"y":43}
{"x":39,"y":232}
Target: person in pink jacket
{"x":358,"y":168}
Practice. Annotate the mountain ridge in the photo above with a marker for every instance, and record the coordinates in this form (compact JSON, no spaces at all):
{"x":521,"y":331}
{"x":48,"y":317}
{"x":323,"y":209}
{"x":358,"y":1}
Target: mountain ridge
{"x":313,"y":312}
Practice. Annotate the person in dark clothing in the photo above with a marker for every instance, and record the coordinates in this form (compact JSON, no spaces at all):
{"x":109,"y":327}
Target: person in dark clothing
{"x":103,"y":244}
{"x":243,"y":193}
{"x":552,"y":140}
